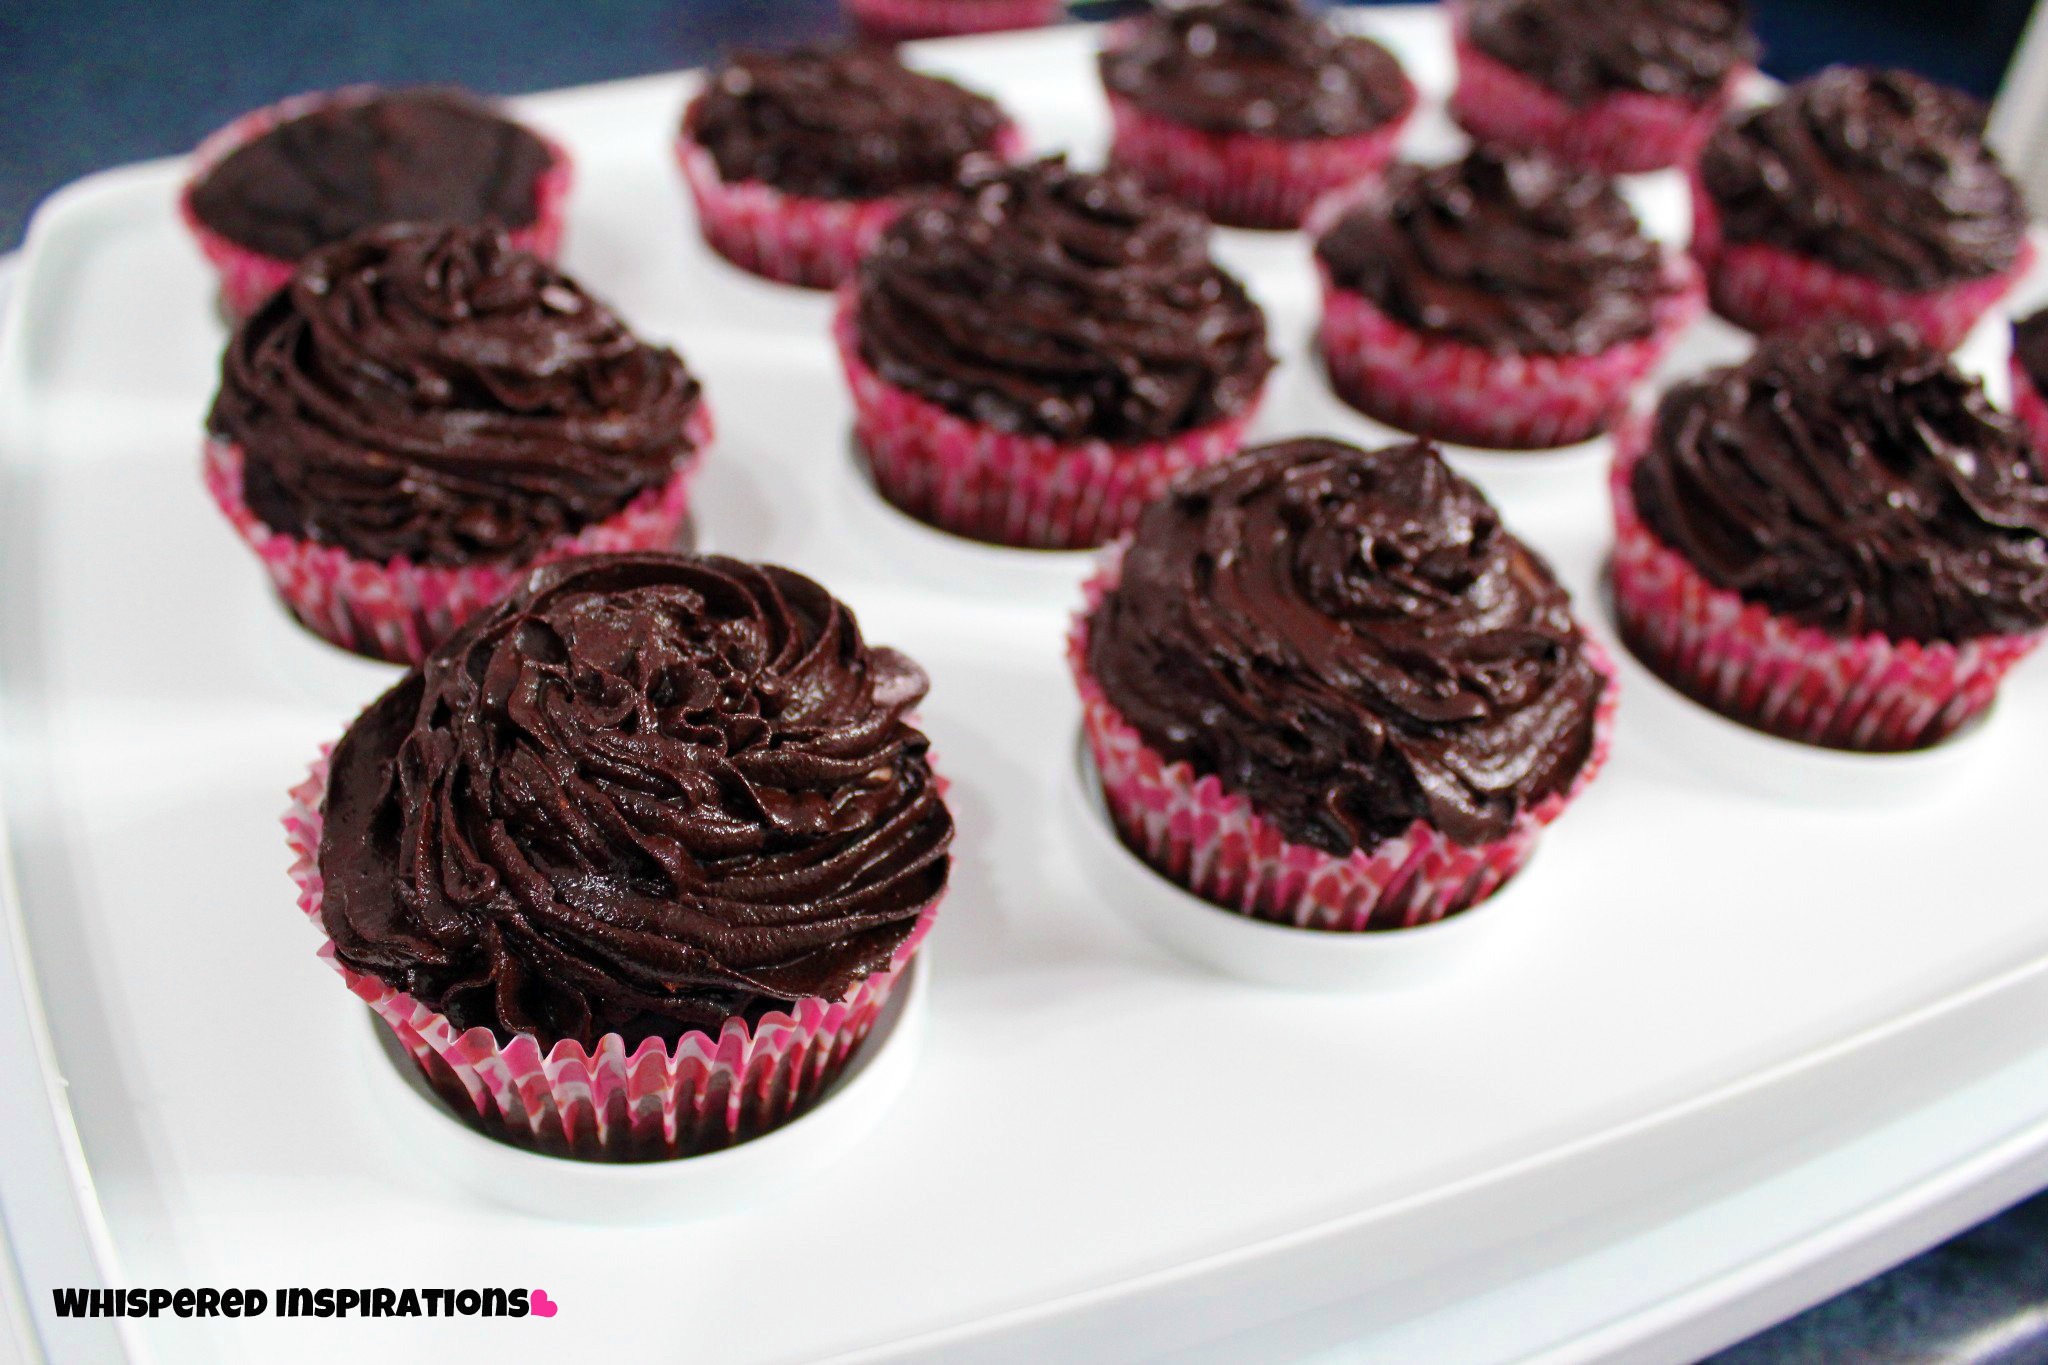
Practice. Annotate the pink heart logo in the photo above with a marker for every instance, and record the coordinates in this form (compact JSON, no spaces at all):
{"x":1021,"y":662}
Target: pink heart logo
{"x":540,"y":1305}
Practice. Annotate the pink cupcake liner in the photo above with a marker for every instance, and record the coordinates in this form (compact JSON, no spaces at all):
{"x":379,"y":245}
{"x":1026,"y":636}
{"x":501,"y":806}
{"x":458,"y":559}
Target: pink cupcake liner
{"x":398,"y":610}
{"x":1768,"y":289}
{"x":699,"y":1094}
{"x":1215,"y":843}
{"x":248,"y":278}
{"x":2032,"y":409}
{"x":1241,"y":179}
{"x":1623,"y":132}
{"x":1457,"y":392}
{"x":1027,"y":491}
{"x":1795,"y":681}
{"x":795,"y":239}
{"x":904,"y":20}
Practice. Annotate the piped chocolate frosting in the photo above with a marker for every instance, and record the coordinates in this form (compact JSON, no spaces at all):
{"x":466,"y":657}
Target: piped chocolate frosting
{"x":1583,"y":49}
{"x":644,"y":794}
{"x":433,"y":393}
{"x":1507,"y":252}
{"x":1269,"y":67}
{"x":1852,"y":480}
{"x":1880,"y":173}
{"x":398,"y":157}
{"x":2030,"y":348}
{"x":1039,"y":299}
{"x":1350,"y":640}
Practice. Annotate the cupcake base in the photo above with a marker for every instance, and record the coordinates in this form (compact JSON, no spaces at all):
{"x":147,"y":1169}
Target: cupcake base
{"x":905,"y":20}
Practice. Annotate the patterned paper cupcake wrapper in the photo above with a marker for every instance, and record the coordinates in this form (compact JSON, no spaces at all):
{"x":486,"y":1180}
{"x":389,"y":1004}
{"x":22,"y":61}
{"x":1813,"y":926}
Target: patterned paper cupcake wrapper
{"x":1026,"y":491}
{"x":905,"y":20}
{"x":1465,"y":394}
{"x":699,"y":1094}
{"x":1768,"y":289}
{"x":1240,"y":179}
{"x":791,"y":238}
{"x":1871,"y":693}
{"x":2032,"y":409}
{"x":1214,"y":843}
{"x":398,"y":610}
{"x":249,"y":277}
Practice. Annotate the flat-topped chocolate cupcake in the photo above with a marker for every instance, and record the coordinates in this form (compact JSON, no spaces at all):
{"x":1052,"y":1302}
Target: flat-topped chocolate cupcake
{"x":424,"y":412}
{"x":797,"y":160}
{"x":1034,"y":356}
{"x":1503,"y":300}
{"x":1251,"y":110}
{"x":1325,"y":686}
{"x":654,"y":816}
{"x":1839,"y":541}
{"x":1619,"y":85}
{"x":2030,"y":380}
{"x":285,"y":181}
{"x":1861,"y":194}
{"x":904,"y":20}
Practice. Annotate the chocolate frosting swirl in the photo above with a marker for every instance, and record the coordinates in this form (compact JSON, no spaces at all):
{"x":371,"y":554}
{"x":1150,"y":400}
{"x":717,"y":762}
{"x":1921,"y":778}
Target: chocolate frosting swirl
{"x":1351,"y":641}
{"x":1854,"y":481}
{"x":1269,"y":67}
{"x":1042,"y":300}
{"x":2030,"y":348}
{"x":429,"y":391}
{"x":404,"y":156}
{"x":1583,"y":49}
{"x":846,"y":123}
{"x":644,"y":794}
{"x":1512,"y":253}
{"x":1880,"y":173}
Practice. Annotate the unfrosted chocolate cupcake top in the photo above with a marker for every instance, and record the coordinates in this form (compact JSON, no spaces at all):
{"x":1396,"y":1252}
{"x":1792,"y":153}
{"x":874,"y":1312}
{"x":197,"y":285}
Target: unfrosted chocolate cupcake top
{"x":431,"y":392}
{"x":838,"y":123}
{"x":642,"y":795}
{"x":1852,"y":480}
{"x":1351,"y":641}
{"x":349,"y":164}
{"x":1040,"y":299}
{"x":1583,"y":49}
{"x":1880,"y":173}
{"x":1270,"y":67}
{"x":1509,"y":252}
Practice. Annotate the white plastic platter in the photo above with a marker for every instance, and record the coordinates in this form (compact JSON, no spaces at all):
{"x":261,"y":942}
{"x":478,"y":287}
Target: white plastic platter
{"x":1701,"y":996}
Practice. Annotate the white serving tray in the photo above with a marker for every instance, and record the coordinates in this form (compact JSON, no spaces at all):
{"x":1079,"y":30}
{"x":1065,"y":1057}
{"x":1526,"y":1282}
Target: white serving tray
{"x":1710,"y":997}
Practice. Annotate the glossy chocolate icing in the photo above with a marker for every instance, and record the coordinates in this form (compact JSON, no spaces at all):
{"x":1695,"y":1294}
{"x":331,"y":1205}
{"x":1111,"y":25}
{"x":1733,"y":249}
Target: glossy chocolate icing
{"x":1508,"y":252}
{"x":1583,"y":49}
{"x":432,"y":392}
{"x":1855,"y":481}
{"x":1270,"y":67}
{"x":838,"y":123}
{"x":644,"y":794}
{"x":403,"y":156}
{"x":1881,"y":173}
{"x":1350,"y":640}
{"x":2030,"y":347}
{"x":1043,"y":300}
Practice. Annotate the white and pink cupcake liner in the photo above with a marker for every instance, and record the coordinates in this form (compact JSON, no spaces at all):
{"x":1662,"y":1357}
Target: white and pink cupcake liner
{"x":791,"y":238}
{"x":699,"y":1094}
{"x":1769,"y":289}
{"x":397,"y":610}
{"x":1454,"y":391}
{"x":1031,"y":492}
{"x":1242,"y":179}
{"x":248,"y":278}
{"x":1868,"y":693}
{"x":1215,"y":843}
{"x":905,"y":20}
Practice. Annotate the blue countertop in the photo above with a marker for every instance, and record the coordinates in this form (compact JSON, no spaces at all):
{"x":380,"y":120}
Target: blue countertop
{"x":94,"y":83}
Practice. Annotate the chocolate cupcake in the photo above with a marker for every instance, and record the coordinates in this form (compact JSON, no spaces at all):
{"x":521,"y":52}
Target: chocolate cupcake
{"x":1251,"y":110}
{"x":1621,"y":86}
{"x":279,"y":184}
{"x":1505,"y":300}
{"x":424,"y":413}
{"x":1326,"y":687}
{"x":1839,"y":541}
{"x":631,"y":862}
{"x":2030,"y":380}
{"x":1034,"y":357}
{"x":798,"y":160}
{"x":1860,"y":194}
{"x":904,"y":20}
